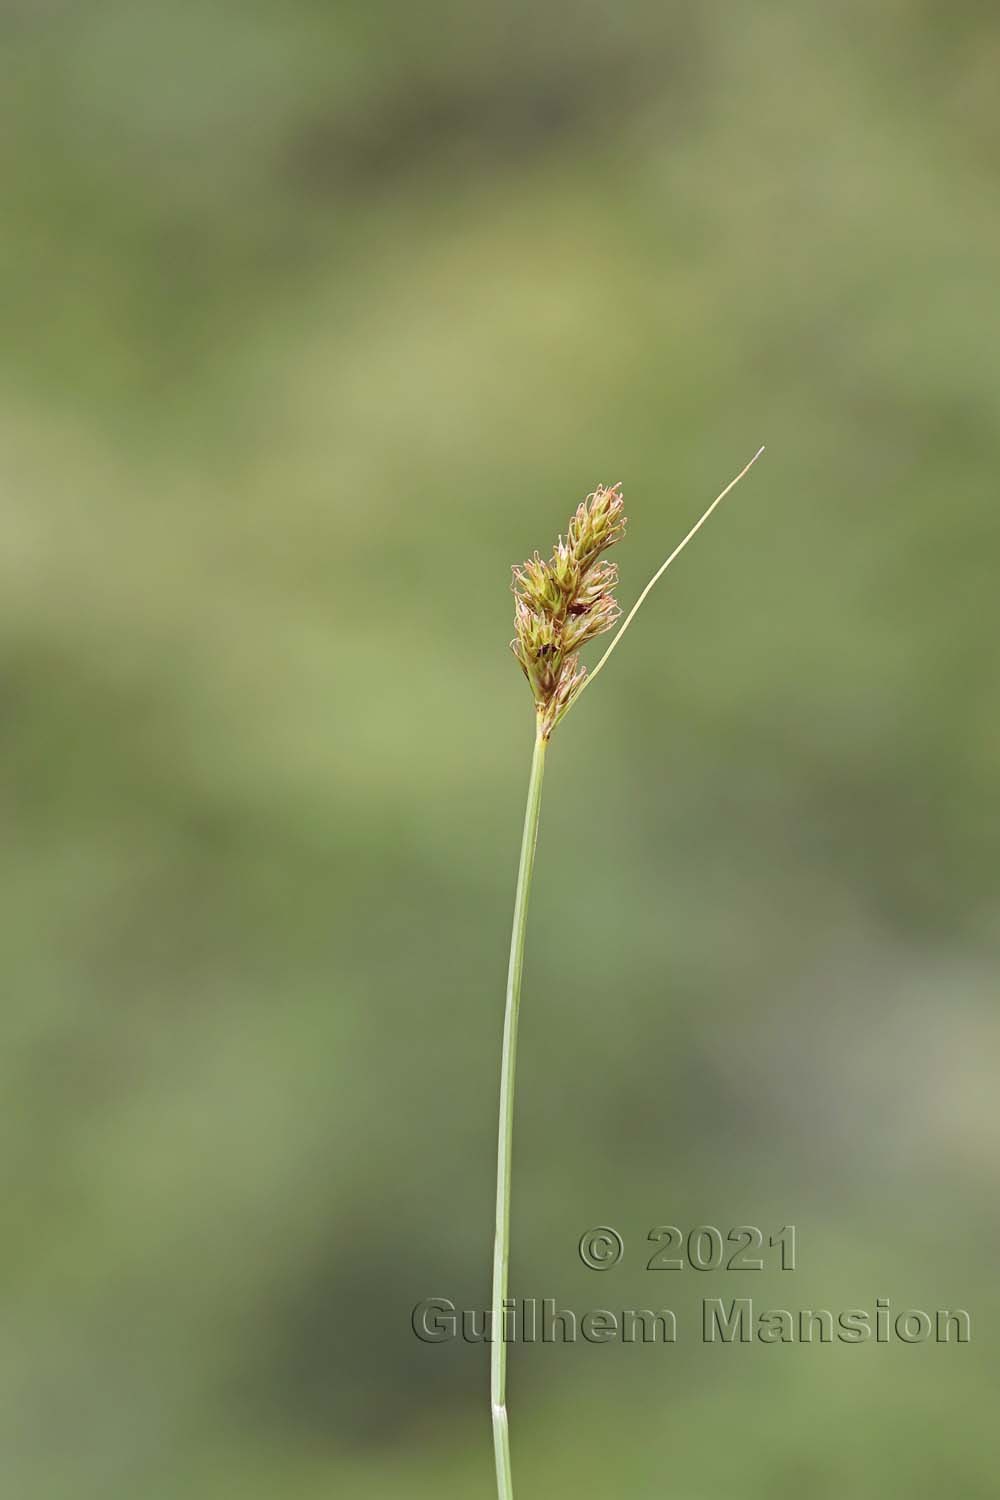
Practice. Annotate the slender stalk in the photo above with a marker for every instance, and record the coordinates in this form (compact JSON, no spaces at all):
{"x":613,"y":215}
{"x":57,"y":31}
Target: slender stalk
{"x":559,"y":605}
{"x":501,"y":1248}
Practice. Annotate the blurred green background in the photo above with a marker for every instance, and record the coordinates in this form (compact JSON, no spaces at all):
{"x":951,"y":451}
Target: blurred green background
{"x":318,"y":317}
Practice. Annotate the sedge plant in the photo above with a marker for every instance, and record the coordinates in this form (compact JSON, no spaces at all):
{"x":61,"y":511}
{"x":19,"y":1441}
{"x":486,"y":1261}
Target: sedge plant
{"x":561,"y":603}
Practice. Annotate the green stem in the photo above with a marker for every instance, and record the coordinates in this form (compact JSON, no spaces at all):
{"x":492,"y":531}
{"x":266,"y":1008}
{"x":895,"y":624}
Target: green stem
{"x":501,"y":1249}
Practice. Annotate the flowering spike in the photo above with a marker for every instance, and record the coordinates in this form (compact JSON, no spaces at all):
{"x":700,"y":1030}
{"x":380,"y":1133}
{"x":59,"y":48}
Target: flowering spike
{"x":566,"y":601}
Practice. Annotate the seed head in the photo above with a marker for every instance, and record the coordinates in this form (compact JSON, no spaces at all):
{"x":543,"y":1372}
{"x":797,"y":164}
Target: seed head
{"x":562,"y":603}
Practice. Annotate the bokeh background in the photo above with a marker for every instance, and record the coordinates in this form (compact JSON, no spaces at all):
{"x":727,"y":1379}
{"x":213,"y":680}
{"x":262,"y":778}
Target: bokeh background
{"x":317,"y":317}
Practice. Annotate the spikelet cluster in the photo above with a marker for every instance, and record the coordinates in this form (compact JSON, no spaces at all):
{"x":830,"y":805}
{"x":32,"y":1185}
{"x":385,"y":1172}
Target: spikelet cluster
{"x":563,"y":602}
